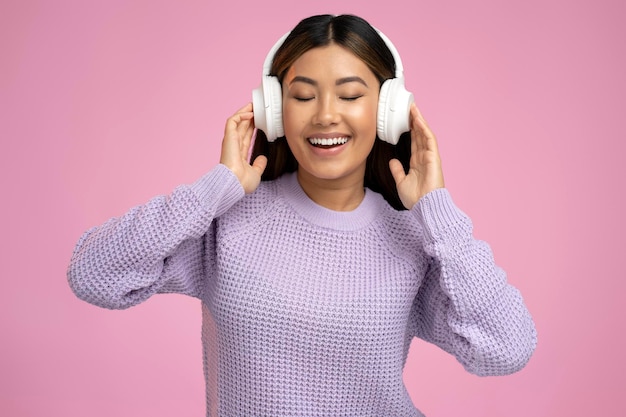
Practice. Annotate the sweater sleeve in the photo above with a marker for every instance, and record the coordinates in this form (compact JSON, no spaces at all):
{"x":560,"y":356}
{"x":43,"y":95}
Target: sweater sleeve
{"x":158,"y":247}
{"x":465,"y":304}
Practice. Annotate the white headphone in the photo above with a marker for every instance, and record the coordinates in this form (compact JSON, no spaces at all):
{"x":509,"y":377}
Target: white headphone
{"x":394,"y":101}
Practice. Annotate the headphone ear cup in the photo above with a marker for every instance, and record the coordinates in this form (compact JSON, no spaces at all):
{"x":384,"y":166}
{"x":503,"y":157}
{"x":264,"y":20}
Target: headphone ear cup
{"x":275,"y":109}
{"x":268,"y":108}
{"x":394,"y":107}
{"x":381,"y":114}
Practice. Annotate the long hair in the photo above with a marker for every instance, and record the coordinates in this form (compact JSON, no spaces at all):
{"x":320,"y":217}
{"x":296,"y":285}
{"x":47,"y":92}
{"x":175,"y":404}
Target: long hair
{"x":356,"y":35}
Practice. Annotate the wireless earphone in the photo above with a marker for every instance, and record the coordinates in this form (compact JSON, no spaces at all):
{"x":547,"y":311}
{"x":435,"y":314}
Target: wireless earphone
{"x":394,"y":100}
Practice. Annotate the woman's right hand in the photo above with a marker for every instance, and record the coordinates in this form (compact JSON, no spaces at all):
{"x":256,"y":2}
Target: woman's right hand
{"x":236,"y":146}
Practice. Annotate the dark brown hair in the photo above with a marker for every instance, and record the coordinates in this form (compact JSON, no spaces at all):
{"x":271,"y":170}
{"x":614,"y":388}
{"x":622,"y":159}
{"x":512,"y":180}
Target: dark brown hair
{"x":360,"y":38}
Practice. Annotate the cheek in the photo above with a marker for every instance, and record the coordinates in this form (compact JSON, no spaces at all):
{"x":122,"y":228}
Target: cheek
{"x":292,"y":119}
{"x":293,"y":124}
{"x":365,"y":116}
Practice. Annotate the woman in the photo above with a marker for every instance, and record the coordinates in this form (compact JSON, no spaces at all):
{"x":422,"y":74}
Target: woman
{"x":320,"y":258}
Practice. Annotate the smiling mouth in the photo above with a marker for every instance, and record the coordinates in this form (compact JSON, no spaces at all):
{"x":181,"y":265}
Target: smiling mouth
{"x":328,"y":142}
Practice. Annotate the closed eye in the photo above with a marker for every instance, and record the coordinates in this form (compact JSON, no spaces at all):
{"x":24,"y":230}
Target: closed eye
{"x":304,"y":98}
{"x":351,"y":98}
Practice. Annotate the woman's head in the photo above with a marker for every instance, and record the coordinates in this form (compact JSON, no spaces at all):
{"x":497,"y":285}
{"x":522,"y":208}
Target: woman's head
{"x":350,"y":32}
{"x":356,"y":38}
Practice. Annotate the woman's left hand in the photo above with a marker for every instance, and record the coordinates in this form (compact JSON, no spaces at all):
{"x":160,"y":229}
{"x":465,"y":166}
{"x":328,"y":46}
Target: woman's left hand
{"x":425,"y":173}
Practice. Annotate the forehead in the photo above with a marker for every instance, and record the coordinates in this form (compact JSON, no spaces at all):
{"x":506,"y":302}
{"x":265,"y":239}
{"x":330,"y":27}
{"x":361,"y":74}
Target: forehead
{"x":331,"y":61}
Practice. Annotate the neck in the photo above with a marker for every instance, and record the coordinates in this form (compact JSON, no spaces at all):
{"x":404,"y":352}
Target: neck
{"x":338,"y":195}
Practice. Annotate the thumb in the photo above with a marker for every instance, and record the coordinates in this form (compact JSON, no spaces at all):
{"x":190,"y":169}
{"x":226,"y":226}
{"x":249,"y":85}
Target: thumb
{"x":397,"y":170}
{"x":259,"y":164}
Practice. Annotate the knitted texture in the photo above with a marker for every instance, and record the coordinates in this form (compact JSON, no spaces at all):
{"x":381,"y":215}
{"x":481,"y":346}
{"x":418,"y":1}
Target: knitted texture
{"x":308,"y":311}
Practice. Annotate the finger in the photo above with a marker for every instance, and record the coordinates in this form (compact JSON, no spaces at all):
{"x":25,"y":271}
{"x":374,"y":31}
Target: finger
{"x":234,"y":121}
{"x":416,"y":130}
{"x":243,"y":126}
{"x":232,"y":142}
{"x":246,"y":140}
{"x":244,"y":113}
{"x":245,"y":109}
{"x":426,"y":139}
{"x":236,"y":130}
{"x":244,"y":117}
{"x":397,"y":170}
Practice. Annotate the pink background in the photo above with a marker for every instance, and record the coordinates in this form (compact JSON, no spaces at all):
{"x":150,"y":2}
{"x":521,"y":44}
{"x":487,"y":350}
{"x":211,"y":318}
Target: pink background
{"x":104,"y":104}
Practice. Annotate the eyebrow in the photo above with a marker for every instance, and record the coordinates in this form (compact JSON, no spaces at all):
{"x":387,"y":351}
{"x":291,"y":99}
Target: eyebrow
{"x":340,"y":81}
{"x":352,"y":79}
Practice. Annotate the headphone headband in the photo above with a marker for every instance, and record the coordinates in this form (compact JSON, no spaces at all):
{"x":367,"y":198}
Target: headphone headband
{"x":269,"y":59}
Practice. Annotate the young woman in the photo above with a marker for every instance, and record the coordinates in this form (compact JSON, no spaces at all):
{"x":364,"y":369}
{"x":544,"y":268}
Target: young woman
{"x":318,"y":259}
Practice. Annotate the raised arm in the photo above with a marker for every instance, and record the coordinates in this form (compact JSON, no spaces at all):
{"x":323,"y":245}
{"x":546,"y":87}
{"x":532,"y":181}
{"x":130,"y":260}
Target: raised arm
{"x":465,"y":304}
{"x":156,"y":247}
{"x":165,"y":245}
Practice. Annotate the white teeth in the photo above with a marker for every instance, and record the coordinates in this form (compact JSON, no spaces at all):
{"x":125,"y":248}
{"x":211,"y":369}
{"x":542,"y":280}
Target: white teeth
{"x":328,"y":141}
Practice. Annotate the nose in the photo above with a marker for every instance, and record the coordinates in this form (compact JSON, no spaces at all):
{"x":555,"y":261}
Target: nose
{"x":327,"y":112}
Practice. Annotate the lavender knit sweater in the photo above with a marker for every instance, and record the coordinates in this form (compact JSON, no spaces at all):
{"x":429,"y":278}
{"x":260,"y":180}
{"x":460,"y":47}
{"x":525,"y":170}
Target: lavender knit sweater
{"x":307,"y":311}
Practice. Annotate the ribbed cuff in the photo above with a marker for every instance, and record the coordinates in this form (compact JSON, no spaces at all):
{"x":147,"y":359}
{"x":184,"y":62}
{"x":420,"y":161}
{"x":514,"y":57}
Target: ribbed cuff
{"x":439,"y":216}
{"x":219,"y":188}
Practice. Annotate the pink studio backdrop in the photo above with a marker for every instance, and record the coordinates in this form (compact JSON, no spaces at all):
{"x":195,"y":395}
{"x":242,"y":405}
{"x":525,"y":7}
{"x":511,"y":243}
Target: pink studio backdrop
{"x":104,"y":104}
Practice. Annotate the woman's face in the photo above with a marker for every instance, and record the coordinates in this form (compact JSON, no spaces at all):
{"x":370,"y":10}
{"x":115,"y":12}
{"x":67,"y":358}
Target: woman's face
{"x":330,"y":100}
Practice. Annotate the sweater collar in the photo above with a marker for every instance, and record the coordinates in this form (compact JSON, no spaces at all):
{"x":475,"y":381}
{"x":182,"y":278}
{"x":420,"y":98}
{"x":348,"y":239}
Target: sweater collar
{"x":371,"y":207}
